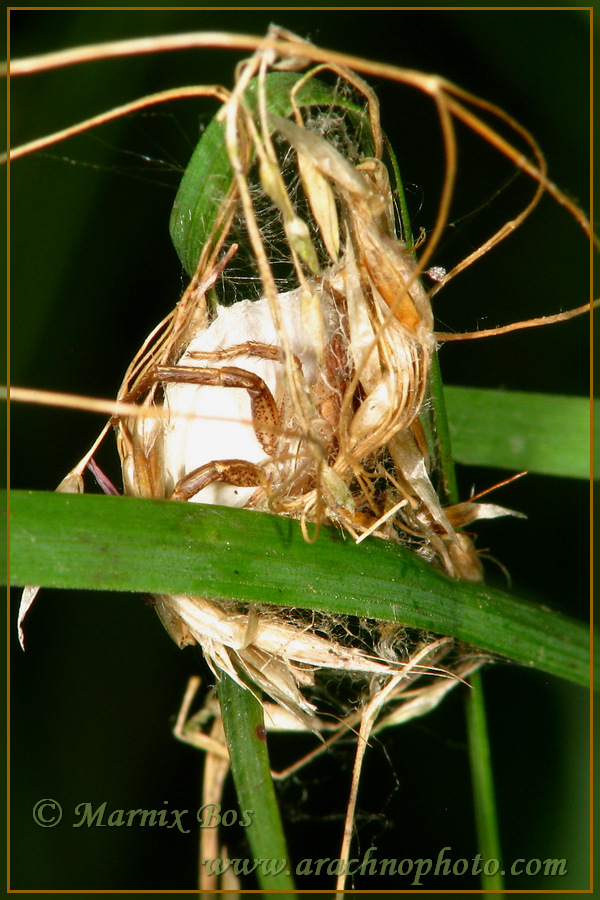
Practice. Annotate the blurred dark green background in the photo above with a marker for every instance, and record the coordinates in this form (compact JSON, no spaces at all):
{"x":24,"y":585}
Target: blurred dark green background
{"x":93,"y":271}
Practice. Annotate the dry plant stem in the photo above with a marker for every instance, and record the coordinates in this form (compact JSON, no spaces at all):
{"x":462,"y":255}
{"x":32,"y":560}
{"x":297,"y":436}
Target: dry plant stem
{"x":440,"y":89}
{"x":113,"y":408}
{"x":215,"y":772}
{"x":264,"y":267}
{"x":517,"y":326}
{"x":539,"y":174}
{"x":216,"y":767}
{"x":369,"y":715}
{"x":115,"y":113}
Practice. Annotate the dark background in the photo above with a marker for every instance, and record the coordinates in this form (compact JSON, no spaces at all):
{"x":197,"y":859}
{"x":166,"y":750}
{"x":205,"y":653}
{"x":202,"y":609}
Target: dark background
{"x":93,"y":270}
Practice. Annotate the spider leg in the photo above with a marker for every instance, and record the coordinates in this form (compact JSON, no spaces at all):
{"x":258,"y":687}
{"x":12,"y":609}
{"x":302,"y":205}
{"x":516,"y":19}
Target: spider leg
{"x":237,"y":472}
{"x":248,"y":348}
{"x":265,"y":414}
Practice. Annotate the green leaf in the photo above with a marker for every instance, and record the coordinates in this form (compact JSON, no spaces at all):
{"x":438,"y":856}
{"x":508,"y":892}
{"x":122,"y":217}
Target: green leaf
{"x":483,"y":781}
{"x":126,"y":544}
{"x":245,"y":732}
{"x":209,"y":174}
{"x":544,"y":433}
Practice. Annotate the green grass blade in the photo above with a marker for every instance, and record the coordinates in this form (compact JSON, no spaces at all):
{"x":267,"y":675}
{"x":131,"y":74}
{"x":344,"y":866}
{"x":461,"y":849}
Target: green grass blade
{"x":246,"y":738}
{"x":3,"y":536}
{"x":434,"y":419}
{"x":542,"y":433}
{"x":483,"y":783}
{"x":116,"y":543}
